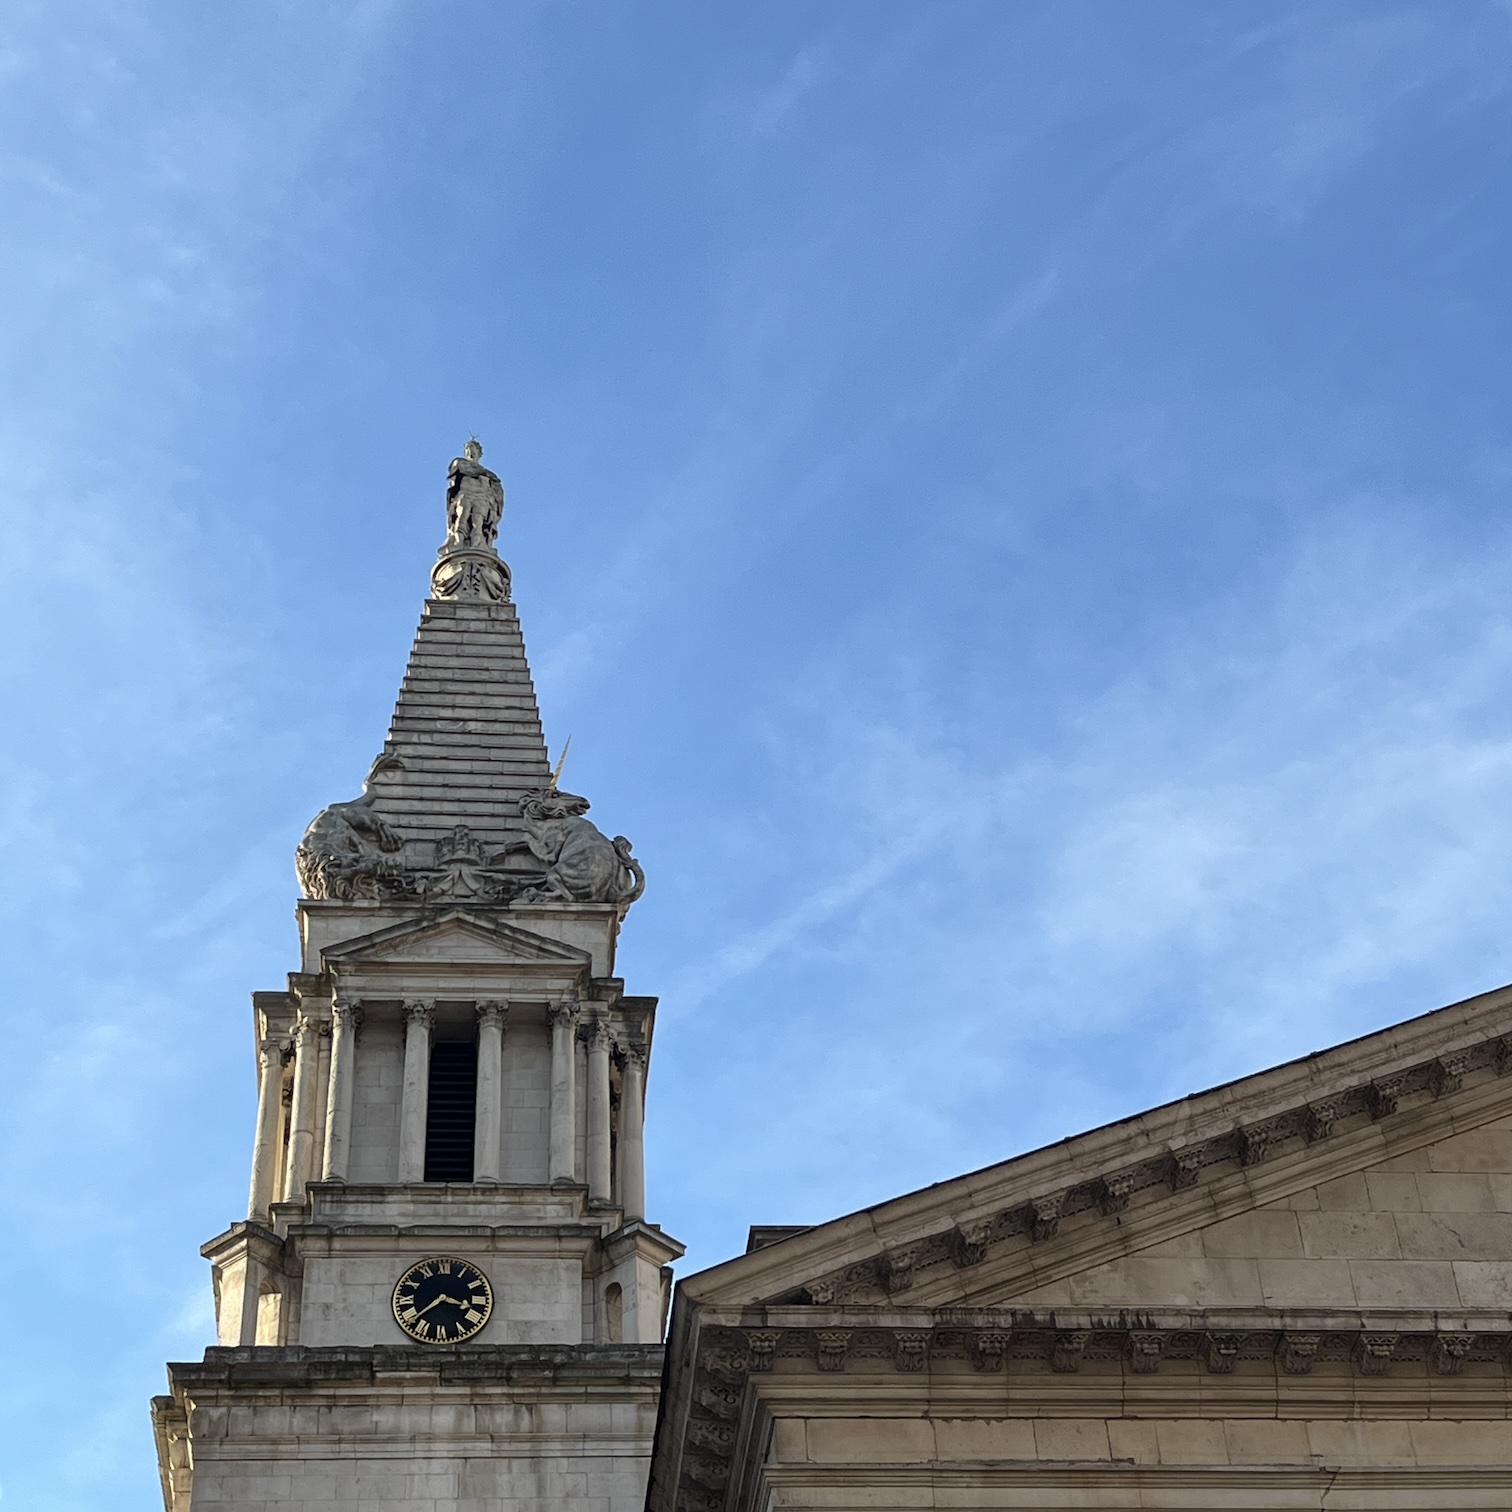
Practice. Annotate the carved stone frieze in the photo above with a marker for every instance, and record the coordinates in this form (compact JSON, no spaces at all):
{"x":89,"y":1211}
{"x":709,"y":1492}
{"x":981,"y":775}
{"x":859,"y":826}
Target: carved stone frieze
{"x":1220,"y":1351}
{"x":721,"y":1402}
{"x":1113,"y":1193}
{"x":1045,"y":1216}
{"x":350,"y":852}
{"x":1447,"y":1074}
{"x":896,"y":1268}
{"x":1067,"y":1350}
{"x":831,"y":1346}
{"x":1144,"y":1351}
{"x":1297,"y":1351}
{"x":1319,"y":1120}
{"x":1374,"y":1352}
{"x":988,"y":1348}
{"x":717,"y":1438}
{"x":911,"y":1348}
{"x":762,"y":1343}
{"x":1255,"y":1143}
{"x":968,"y":1242}
{"x":1450,"y":1350}
{"x":1383,"y":1096}
{"x":1183,"y":1168}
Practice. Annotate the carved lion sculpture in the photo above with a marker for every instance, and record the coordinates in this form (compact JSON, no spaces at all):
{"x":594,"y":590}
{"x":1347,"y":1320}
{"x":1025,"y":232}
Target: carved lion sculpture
{"x":582,"y":864}
{"x":345,"y":851}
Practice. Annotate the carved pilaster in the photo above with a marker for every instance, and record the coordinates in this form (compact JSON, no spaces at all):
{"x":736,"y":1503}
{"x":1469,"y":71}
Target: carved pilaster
{"x":563,"y":1019}
{"x":415,"y":1090}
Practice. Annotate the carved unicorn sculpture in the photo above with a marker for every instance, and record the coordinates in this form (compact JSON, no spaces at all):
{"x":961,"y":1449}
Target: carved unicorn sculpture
{"x":582,"y":864}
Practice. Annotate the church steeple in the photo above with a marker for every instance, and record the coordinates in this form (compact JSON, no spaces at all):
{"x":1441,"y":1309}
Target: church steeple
{"x":448,"y":1150}
{"x":456,"y":802}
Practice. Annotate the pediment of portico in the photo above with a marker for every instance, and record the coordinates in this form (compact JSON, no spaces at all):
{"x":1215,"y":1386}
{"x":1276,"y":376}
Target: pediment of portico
{"x":1375,"y":1174}
{"x":454,"y":943}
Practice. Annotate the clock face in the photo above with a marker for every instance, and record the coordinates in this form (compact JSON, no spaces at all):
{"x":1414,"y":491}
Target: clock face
{"x":442,"y":1300}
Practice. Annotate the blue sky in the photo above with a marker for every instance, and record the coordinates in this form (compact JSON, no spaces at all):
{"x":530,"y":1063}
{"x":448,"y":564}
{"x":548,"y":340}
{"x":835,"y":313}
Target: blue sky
{"x":1008,"y":499}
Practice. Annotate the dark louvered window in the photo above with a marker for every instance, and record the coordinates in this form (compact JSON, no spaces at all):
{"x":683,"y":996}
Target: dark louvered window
{"x":450,"y":1111}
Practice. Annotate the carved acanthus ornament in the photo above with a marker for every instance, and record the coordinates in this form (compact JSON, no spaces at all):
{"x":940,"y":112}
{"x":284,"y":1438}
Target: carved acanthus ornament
{"x":911,"y":1348}
{"x":1220,"y":1353}
{"x":423,"y":1014}
{"x":1297,"y":1351}
{"x":969,"y":1241}
{"x":565,"y":1011}
{"x":347,"y":1016}
{"x":988,"y":1349}
{"x":831,"y":1347}
{"x":1374,"y":1352}
{"x":1450,"y":1351}
{"x":1045,"y":1216}
{"x":1067,"y":1350}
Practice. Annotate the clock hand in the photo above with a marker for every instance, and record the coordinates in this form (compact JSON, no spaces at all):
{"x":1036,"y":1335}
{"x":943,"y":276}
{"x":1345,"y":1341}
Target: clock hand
{"x":435,"y":1302}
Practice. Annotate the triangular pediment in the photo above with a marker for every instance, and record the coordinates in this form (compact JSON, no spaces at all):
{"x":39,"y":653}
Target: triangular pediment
{"x":456,"y":937}
{"x":1372,"y":1175}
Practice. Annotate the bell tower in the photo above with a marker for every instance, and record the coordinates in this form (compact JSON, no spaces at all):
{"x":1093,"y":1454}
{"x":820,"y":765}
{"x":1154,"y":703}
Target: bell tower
{"x":445,"y":1293}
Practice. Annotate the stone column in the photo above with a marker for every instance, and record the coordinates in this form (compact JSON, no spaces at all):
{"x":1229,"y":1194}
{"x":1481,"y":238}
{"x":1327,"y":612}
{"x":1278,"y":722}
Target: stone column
{"x":632,"y":1158}
{"x":564,"y":1017}
{"x":338,"y":1130}
{"x":490,"y":1120}
{"x":265,"y":1144}
{"x":418,"y":1018}
{"x":302,"y":1109}
{"x":597,"y":1036}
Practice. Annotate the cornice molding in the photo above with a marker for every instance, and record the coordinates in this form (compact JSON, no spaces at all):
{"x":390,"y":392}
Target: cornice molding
{"x":1294,"y":1137}
{"x":1106,"y":1356}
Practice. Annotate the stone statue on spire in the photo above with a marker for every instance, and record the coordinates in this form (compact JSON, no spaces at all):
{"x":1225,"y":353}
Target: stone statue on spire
{"x":468,"y":565}
{"x":474,"y":500}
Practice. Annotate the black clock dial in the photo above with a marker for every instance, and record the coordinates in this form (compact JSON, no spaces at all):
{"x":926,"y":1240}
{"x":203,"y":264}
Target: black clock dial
{"x":442,"y":1300}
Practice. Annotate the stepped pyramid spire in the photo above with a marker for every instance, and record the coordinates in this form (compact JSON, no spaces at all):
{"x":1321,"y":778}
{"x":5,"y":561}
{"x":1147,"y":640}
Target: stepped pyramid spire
{"x":462,"y":802}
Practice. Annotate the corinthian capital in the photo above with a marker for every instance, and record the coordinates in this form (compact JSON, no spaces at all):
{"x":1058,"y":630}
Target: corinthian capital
{"x":420,"y":1013}
{"x":490,"y":1013}
{"x":565,"y":1012}
{"x":348,"y":1016}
